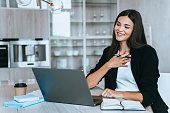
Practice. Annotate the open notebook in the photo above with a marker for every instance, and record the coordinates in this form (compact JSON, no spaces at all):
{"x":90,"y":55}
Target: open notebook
{"x":115,"y":104}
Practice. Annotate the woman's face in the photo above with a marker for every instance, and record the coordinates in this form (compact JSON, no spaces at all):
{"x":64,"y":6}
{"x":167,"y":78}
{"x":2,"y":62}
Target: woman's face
{"x":123,"y":28}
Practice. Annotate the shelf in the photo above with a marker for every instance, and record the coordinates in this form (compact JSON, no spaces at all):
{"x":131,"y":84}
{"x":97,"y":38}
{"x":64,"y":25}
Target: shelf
{"x":99,"y":3}
{"x":76,"y":21}
{"x":99,"y":22}
{"x":75,"y":55}
{"x":66,"y":38}
{"x":97,"y":46}
{"x":81,"y":37}
{"x":99,"y":37}
{"x":54,"y":46}
{"x":73,"y":46}
{"x":69,"y":56}
{"x":73,"y":3}
{"x":92,"y":22}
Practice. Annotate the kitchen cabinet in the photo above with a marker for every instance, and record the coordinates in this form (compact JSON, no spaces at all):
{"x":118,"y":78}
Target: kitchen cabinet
{"x":88,"y":30}
{"x":24,"y":23}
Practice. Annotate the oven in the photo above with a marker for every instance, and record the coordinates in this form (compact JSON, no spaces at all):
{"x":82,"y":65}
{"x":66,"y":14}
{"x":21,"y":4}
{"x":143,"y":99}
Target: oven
{"x":4,"y":54}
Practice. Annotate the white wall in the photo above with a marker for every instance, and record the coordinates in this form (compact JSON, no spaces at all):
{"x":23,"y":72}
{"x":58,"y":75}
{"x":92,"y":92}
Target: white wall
{"x":156,"y":13}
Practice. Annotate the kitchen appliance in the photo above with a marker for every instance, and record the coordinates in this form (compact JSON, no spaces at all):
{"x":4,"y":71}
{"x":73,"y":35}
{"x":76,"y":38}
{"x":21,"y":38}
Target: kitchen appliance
{"x":30,"y":53}
{"x":4,"y":54}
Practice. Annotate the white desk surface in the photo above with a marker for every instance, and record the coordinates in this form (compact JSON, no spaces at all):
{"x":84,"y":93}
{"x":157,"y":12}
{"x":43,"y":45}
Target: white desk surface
{"x":7,"y":93}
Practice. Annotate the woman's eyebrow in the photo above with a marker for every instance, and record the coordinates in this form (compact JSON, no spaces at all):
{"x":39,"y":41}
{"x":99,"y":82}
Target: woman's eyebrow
{"x":127,"y":24}
{"x":118,"y":22}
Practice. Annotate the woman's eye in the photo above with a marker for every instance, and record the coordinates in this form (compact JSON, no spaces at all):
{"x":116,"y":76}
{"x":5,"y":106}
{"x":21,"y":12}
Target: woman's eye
{"x":118,"y":24}
{"x":127,"y":27}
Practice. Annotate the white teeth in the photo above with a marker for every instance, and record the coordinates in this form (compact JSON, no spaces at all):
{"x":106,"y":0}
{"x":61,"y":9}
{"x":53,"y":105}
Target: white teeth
{"x":120,"y":34}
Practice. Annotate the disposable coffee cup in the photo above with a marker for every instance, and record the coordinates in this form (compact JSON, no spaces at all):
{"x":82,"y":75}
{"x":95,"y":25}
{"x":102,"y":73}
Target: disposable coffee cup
{"x":20,"y":89}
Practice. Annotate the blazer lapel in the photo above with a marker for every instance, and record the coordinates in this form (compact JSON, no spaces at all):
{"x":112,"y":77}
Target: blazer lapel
{"x":135,"y":64}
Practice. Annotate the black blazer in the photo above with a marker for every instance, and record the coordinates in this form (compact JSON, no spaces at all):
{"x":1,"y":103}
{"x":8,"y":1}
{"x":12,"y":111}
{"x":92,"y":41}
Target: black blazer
{"x":144,"y":66}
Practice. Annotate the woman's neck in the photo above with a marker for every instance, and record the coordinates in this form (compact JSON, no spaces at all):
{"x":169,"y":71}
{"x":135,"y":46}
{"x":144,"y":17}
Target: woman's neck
{"x":124,"y":48}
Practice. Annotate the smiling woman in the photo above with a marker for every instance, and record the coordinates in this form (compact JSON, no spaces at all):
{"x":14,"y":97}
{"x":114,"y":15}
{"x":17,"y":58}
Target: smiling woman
{"x":133,"y":78}
{"x":123,"y":28}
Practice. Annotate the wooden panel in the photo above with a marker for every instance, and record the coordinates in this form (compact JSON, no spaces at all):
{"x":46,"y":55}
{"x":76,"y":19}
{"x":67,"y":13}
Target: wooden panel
{"x":24,"y":23}
{"x":4,"y":16}
{"x":21,"y":23}
{"x":41,"y":23}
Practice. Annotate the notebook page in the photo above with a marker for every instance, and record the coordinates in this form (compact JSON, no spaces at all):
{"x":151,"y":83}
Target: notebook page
{"x":132,"y":105}
{"x":111,"y":104}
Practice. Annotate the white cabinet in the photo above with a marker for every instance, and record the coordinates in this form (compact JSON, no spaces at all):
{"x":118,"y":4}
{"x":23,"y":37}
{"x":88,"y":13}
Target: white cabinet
{"x":90,"y":24}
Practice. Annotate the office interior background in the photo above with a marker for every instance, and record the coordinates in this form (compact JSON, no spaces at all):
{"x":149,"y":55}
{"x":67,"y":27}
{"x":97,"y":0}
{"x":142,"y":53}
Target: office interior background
{"x":75,"y":36}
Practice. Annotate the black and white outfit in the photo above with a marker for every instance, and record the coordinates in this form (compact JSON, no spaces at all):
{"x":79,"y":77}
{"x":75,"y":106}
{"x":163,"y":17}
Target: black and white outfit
{"x":142,"y":77}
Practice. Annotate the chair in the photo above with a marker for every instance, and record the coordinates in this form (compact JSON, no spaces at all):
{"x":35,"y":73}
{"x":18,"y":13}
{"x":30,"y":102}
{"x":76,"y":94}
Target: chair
{"x":164,"y":88}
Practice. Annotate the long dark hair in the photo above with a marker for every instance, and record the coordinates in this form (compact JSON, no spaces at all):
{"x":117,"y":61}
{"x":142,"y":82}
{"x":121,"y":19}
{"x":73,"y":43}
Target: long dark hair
{"x":137,"y":38}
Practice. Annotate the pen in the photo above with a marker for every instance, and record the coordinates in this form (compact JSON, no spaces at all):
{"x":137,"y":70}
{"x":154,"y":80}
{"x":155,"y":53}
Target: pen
{"x":120,"y":55}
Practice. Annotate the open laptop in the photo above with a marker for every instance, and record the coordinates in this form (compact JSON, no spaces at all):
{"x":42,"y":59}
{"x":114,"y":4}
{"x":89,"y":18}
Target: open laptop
{"x":65,"y":86}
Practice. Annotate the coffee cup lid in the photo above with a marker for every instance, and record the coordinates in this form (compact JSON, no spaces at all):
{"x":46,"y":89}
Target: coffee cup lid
{"x":20,"y":85}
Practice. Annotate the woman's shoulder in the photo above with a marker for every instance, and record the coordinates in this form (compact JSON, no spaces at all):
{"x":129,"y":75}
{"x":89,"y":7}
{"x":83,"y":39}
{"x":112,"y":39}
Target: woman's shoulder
{"x":145,"y":49}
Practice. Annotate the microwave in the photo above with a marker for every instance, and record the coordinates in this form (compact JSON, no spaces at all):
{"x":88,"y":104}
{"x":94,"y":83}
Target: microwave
{"x":30,"y":53}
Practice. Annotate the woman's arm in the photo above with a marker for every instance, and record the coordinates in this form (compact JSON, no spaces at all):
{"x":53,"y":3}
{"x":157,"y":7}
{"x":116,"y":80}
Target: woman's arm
{"x":94,"y":78}
{"x":135,"y":96}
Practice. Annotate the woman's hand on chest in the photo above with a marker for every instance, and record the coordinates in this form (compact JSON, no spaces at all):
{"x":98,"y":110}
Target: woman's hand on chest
{"x":119,"y":61}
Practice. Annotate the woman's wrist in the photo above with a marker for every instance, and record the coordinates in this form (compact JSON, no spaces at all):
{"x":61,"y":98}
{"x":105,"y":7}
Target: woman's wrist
{"x":121,"y":94}
{"x":107,"y":65}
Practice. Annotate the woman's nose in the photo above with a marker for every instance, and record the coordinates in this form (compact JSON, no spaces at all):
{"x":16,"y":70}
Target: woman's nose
{"x":120,"y":28}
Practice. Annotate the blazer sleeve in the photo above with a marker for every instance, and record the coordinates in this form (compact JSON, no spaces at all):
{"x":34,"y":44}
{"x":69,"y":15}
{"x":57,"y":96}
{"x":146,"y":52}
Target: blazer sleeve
{"x":149,"y":76}
{"x":101,"y":62}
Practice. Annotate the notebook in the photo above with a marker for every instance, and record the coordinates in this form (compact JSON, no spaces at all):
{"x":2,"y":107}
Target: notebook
{"x":65,"y":86}
{"x":25,"y":98}
{"x":14,"y":103}
{"x":115,"y":104}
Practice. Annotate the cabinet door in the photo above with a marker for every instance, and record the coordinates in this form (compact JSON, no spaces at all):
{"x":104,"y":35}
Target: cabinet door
{"x":4,"y":74}
{"x":2,"y":3}
{"x":100,"y":17}
{"x":67,"y":53}
{"x":67,"y":37}
{"x":24,"y":23}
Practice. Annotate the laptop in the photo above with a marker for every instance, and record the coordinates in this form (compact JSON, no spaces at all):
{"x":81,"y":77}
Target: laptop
{"x":65,"y":86}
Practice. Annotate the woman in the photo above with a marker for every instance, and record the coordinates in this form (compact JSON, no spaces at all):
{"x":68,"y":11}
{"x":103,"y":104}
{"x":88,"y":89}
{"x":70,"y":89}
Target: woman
{"x":129,"y":65}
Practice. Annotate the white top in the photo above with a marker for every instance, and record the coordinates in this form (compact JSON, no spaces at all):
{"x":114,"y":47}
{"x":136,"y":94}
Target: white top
{"x":125,"y":79}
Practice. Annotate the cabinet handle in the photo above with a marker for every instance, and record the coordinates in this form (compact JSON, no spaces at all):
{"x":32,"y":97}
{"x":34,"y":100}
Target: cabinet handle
{"x":2,"y":47}
{"x":30,"y":64}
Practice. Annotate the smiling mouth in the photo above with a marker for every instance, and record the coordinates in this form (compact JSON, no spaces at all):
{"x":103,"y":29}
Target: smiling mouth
{"x":120,"y":34}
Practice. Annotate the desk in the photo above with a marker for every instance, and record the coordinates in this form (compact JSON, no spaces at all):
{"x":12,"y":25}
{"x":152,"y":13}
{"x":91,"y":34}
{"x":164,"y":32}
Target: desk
{"x":7,"y":93}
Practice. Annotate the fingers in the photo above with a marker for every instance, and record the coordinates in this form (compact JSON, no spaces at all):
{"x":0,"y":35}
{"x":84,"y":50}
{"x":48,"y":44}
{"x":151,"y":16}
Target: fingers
{"x":111,"y":93}
{"x":107,"y":93}
{"x":125,"y":55}
{"x":125,"y":60}
{"x":118,"y":52}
